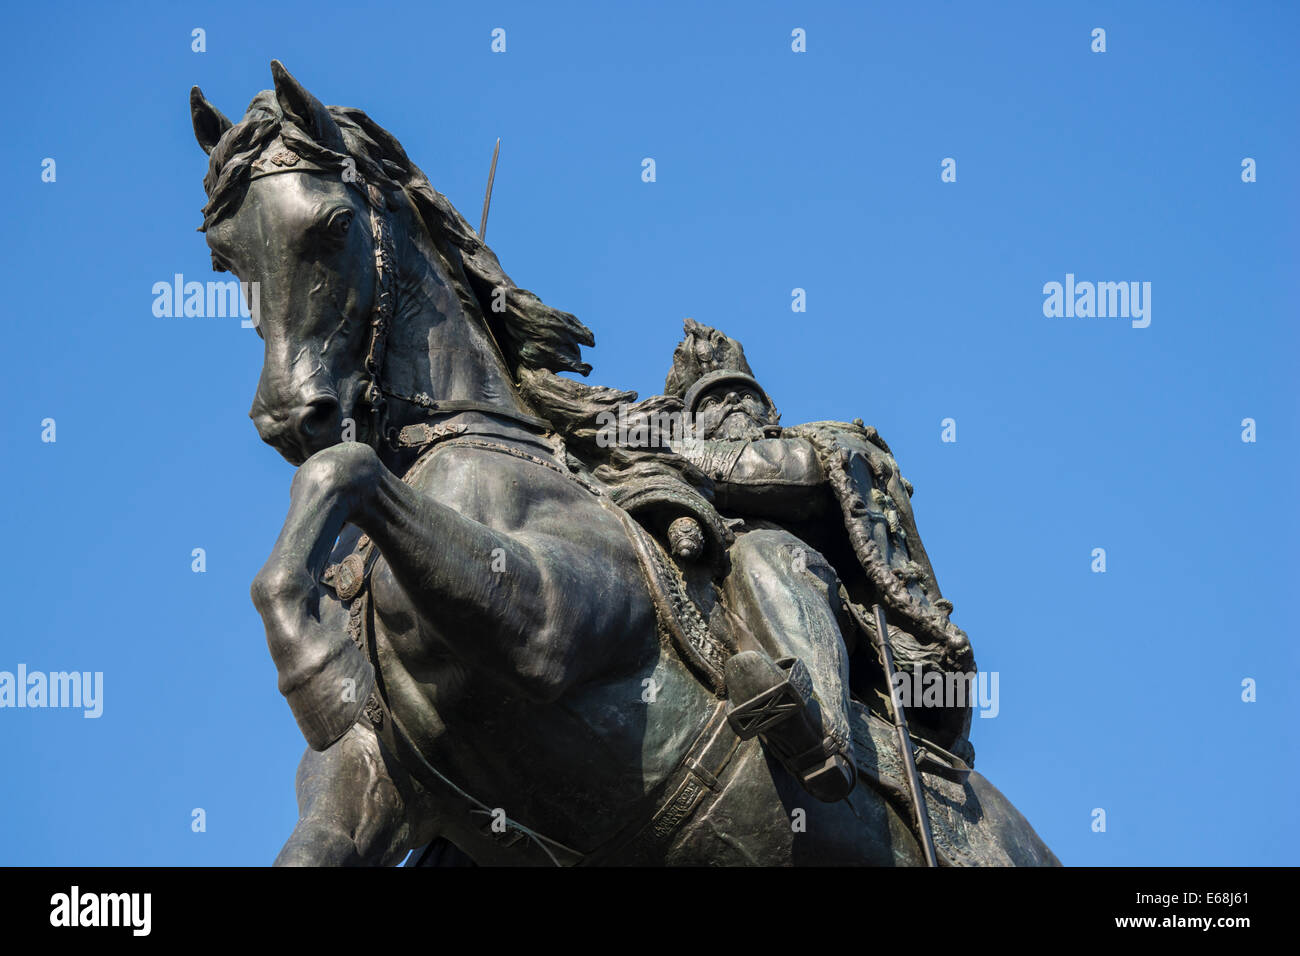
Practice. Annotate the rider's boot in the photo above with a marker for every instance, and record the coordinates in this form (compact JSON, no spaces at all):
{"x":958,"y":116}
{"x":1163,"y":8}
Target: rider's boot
{"x":775,"y":701}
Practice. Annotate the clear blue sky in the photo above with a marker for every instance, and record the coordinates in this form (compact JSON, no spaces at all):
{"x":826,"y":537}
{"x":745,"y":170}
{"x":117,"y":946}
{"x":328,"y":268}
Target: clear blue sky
{"x":775,"y":170}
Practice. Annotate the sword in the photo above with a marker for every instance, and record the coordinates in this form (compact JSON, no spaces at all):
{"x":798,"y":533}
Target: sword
{"x":487,"y":199}
{"x":904,"y":735}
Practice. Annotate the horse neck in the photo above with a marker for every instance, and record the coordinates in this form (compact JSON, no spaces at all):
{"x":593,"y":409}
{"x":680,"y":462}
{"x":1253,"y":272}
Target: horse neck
{"x":437,"y":345}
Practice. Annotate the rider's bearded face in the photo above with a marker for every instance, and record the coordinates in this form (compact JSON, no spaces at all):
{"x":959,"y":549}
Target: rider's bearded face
{"x":732,"y":412}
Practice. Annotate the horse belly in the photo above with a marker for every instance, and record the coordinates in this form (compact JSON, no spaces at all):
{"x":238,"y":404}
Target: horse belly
{"x":578,"y":769}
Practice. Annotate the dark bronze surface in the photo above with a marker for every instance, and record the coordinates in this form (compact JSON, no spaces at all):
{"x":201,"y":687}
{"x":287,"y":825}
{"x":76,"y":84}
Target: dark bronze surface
{"x":505,"y":638}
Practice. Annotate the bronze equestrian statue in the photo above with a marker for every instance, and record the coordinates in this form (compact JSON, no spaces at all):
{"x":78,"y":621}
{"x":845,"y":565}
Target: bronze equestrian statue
{"x":510,"y":640}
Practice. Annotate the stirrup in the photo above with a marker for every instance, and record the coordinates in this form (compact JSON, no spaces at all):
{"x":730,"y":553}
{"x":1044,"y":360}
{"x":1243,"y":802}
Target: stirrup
{"x":765,"y":710}
{"x":932,"y":758}
{"x":773,"y":706}
{"x":781,"y":716}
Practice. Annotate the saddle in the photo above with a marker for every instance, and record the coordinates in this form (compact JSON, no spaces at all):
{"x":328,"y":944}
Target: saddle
{"x":675,"y":532}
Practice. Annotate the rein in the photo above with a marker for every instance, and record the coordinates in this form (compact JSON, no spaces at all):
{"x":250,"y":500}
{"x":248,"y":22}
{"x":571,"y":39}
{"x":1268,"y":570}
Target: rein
{"x":381,"y":316}
{"x":376,"y":393}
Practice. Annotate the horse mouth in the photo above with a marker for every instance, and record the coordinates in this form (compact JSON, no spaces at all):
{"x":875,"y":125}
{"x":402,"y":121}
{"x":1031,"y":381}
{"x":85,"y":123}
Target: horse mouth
{"x":291,"y":450}
{"x":294,"y":458}
{"x":311,"y":427}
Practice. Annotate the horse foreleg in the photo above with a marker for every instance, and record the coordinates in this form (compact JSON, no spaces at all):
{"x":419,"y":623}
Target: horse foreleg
{"x":324,"y":676}
{"x":431,"y":550}
{"x":356,"y":807}
{"x":327,"y":679}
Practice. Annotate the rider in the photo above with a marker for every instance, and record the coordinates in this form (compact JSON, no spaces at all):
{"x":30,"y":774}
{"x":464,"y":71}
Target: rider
{"x":778,"y":481}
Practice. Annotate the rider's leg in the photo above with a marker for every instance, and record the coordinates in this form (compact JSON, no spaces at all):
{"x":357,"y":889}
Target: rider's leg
{"x":788,"y":595}
{"x":356,"y":806}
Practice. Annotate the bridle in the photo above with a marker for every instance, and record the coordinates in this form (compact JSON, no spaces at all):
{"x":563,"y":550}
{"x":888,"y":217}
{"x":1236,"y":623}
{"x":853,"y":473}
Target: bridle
{"x":374,"y":392}
{"x":381,"y":316}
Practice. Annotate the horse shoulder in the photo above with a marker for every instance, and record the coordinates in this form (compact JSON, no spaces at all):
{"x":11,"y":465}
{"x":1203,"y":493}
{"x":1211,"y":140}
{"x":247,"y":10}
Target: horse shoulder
{"x":592,"y":595}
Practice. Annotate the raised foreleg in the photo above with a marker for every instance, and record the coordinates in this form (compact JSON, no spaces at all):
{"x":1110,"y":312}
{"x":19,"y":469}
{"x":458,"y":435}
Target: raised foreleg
{"x":527,"y":635}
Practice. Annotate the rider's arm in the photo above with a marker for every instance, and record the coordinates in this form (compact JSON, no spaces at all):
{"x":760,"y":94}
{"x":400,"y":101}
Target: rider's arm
{"x":769,"y":477}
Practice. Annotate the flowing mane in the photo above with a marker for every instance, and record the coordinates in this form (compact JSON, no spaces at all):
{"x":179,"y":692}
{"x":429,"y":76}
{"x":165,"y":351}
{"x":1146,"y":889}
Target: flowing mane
{"x":536,"y":340}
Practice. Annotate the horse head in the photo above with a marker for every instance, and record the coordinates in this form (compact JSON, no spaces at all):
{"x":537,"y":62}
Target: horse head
{"x":291,"y":209}
{"x":371,"y":286}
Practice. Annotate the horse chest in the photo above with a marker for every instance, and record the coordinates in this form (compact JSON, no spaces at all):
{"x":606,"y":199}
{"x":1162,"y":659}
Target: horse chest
{"x":507,"y":493}
{"x":561,"y":530}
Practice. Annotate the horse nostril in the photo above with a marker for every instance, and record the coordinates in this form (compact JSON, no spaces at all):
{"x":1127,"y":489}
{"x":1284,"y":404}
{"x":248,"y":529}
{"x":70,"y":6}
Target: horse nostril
{"x":316,"y":418}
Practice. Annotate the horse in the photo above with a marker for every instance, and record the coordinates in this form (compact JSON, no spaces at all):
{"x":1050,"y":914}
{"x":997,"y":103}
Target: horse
{"x":463,"y":617}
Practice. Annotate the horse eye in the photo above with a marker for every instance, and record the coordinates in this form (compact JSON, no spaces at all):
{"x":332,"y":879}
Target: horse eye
{"x":338,"y":226}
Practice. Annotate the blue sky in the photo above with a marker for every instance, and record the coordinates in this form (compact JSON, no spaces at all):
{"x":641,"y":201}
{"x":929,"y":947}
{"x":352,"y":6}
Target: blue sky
{"x":775,"y":170}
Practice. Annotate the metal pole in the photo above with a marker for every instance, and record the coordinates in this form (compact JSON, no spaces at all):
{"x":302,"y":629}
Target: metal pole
{"x":487,"y":199}
{"x":905,"y":741}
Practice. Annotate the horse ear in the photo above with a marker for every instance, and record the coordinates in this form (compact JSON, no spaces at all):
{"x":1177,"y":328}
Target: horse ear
{"x":209,"y":122}
{"x":304,"y":110}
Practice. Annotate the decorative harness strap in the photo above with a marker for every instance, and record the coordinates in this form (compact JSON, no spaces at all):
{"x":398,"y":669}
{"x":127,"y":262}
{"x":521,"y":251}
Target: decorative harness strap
{"x":696,"y":778}
{"x":381,"y":317}
{"x":455,"y":405}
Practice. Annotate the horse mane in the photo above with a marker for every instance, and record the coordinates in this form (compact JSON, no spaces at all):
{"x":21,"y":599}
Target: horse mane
{"x":536,"y":341}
